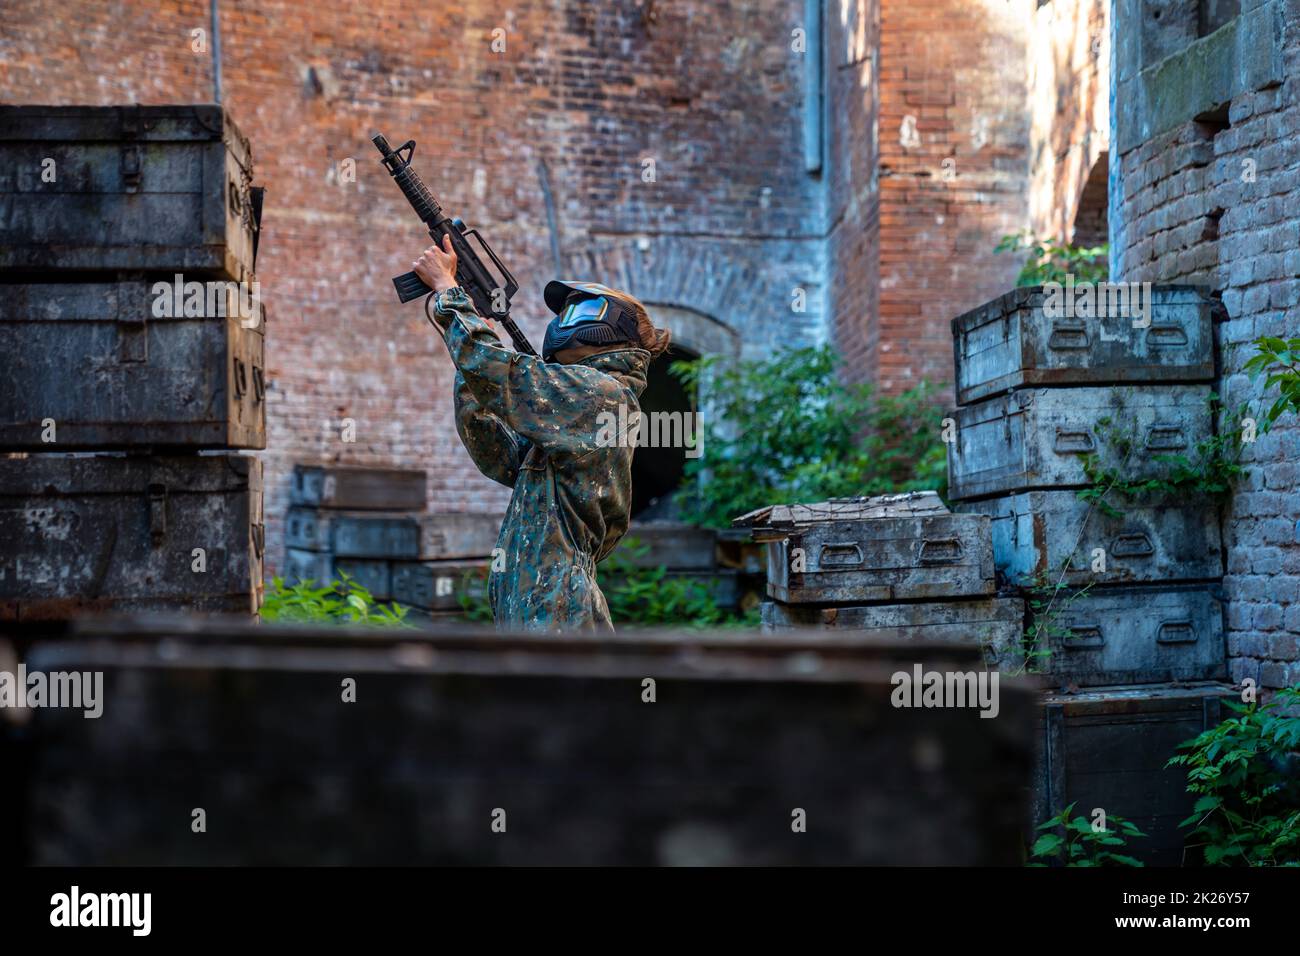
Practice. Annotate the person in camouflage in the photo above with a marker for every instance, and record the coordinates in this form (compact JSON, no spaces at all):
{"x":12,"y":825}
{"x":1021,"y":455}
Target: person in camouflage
{"x":539,"y":426}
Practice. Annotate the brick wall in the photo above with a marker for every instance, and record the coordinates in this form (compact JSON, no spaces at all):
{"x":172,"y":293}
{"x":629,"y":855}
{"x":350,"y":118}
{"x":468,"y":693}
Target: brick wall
{"x":1069,"y":85}
{"x":953,"y":134}
{"x":1214,"y":201}
{"x":852,"y":192}
{"x":582,"y":94}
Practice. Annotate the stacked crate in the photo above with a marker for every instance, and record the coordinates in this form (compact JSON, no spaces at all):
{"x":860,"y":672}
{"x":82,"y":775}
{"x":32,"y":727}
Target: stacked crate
{"x":898,"y":565}
{"x":124,"y":399}
{"x":1141,"y":605}
{"x":371,"y":524}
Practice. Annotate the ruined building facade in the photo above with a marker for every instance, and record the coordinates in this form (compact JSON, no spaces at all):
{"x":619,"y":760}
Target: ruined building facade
{"x":761,"y":173}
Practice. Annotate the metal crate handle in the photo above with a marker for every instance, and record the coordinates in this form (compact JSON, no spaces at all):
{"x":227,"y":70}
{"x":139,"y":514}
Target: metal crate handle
{"x":1073,"y":441}
{"x":940,"y":551}
{"x":1133,"y":545}
{"x":844,"y":554}
{"x":1176,"y":632}
{"x":1084,"y":636}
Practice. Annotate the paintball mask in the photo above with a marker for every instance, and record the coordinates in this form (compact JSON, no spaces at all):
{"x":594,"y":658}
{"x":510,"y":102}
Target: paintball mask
{"x":586,"y":313}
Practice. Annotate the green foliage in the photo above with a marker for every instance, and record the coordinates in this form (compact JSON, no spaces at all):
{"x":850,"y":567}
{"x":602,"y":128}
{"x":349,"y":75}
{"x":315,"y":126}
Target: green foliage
{"x":1245,"y":774}
{"x":639,"y":596}
{"x":1048,"y":260}
{"x":1081,"y":845}
{"x":343,"y":602}
{"x":1279,"y":359}
{"x":649,"y":596}
{"x":1047,"y":605}
{"x":786,"y":429}
{"x":473,"y":597}
{"x":1209,"y":471}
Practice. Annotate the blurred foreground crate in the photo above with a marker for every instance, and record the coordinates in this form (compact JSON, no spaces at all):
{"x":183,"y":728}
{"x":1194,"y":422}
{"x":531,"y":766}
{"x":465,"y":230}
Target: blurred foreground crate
{"x":994,"y":624}
{"x":1019,"y":339}
{"x":451,"y":730}
{"x":358,"y":489}
{"x":110,"y":532}
{"x":94,"y":358}
{"x":156,"y":188}
{"x":1107,"y":749}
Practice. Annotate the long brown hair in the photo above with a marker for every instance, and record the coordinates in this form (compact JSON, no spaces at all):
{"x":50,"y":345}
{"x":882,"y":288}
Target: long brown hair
{"x":653,"y":339}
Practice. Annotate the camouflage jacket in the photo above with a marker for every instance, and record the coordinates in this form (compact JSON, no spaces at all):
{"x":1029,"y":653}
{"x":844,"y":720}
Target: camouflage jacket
{"x":537,"y":427}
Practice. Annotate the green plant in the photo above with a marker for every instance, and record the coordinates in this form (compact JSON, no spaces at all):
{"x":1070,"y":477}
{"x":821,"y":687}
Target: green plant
{"x":1245,"y":774}
{"x":1211,"y":470}
{"x":343,"y":601}
{"x":650,"y":596}
{"x":639,"y":596}
{"x":473,"y":597}
{"x":1280,"y":359}
{"x":1042,"y":597}
{"x":787,"y":429}
{"x":1048,"y":260}
{"x":1082,"y":844}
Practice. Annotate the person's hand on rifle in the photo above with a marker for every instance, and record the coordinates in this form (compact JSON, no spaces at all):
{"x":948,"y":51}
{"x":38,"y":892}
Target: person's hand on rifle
{"x":437,"y":267}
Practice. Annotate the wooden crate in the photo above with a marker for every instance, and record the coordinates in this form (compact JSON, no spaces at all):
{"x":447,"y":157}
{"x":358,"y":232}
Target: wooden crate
{"x":1036,"y":438}
{"x":450,"y":725}
{"x":996,"y":625}
{"x":359,"y":489}
{"x":1012,"y":342}
{"x":1155,"y":539}
{"x":93,"y":358}
{"x":151,"y":188}
{"x":1136,"y":634}
{"x":1106,"y":748}
{"x":110,"y":532}
{"x":349,"y":534}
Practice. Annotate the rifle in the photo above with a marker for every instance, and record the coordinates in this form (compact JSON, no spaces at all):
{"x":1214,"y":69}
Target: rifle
{"x":490,"y":298}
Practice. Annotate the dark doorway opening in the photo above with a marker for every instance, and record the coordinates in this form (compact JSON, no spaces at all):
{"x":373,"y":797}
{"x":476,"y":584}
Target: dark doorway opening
{"x":657,"y":472}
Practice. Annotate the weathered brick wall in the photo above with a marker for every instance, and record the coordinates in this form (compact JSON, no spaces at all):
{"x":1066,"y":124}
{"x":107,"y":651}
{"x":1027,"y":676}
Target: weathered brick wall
{"x":1069,"y":85}
{"x":711,"y":92}
{"x":1215,"y":201}
{"x":953,"y":134}
{"x":852,"y":192}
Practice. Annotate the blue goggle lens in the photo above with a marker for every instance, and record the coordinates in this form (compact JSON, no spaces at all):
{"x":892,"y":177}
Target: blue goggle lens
{"x":588,"y":310}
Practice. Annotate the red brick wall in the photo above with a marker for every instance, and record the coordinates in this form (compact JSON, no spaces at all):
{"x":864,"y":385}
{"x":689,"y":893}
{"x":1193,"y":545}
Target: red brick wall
{"x":958,"y":69}
{"x":852,"y":186}
{"x":711,"y":91}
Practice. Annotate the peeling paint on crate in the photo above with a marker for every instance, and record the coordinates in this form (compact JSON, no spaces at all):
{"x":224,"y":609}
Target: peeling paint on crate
{"x":1036,"y":438}
{"x":119,"y":532}
{"x":1035,"y":533}
{"x":1012,"y":342}
{"x":92,"y":357}
{"x":1136,"y":635}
